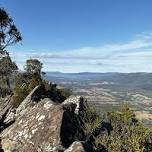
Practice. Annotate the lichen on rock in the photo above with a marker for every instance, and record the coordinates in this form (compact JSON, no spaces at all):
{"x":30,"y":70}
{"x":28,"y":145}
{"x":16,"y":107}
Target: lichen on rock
{"x":44,"y":126}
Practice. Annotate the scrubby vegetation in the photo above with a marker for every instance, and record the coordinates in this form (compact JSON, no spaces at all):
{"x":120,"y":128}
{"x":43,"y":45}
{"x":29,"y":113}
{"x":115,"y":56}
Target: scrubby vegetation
{"x":91,"y":120}
{"x":24,"y":84}
{"x":117,"y":131}
{"x":27,"y":81}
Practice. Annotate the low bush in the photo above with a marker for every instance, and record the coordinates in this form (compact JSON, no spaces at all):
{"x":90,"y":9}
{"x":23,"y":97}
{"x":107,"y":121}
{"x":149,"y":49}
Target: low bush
{"x":91,"y":120}
{"x":118,"y":131}
{"x":24,"y":84}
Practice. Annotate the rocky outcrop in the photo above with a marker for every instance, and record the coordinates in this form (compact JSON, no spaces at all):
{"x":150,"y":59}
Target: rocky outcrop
{"x":76,"y":147}
{"x":27,"y":102}
{"x":36,"y":130}
{"x":45,"y":126}
{"x":71,"y":129}
{"x":75,"y":103}
{"x":7,"y":113}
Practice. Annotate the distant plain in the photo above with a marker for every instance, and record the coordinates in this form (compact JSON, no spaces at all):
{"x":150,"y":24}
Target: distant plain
{"x":107,"y":91}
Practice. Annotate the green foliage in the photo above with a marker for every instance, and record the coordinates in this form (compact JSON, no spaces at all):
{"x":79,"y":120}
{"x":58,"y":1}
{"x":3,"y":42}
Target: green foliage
{"x":7,"y":66}
{"x":7,"y":71}
{"x":33,"y":66}
{"x":27,"y":81}
{"x":117,"y":131}
{"x":127,"y":134}
{"x":9,"y":33}
{"x":65,"y":92}
{"x":91,"y":120}
{"x":34,"y":81}
{"x":54,"y":93}
{"x":24,"y":84}
{"x":4,"y":91}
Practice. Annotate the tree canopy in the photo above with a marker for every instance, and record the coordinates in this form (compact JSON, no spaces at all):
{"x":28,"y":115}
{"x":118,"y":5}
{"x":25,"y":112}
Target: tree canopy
{"x":9,"y":34}
{"x":9,"y":66}
{"x":33,"y":66}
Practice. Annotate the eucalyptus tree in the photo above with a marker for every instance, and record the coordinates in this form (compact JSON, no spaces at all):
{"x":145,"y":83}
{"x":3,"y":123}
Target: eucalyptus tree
{"x":9,"y":35}
{"x":33,"y":66}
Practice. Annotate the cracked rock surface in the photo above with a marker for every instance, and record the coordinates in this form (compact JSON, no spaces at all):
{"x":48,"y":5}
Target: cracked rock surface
{"x":44,"y":126}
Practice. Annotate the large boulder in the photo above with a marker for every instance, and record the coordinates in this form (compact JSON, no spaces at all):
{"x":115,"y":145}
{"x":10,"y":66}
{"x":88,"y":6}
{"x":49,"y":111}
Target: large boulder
{"x":8,"y":112}
{"x":27,"y":102}
{"x":42,"y":123}
{"x":45,"y":126}
{"x":36,"y":130}
{"x":36,"y":95}
{"x":75,"y":103}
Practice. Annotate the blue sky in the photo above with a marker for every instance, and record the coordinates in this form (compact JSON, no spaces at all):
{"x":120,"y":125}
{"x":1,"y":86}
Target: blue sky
{"x":84,"y":35}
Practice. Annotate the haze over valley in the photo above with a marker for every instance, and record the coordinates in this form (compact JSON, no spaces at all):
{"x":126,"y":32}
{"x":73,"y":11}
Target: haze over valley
{"x":107,"y":91}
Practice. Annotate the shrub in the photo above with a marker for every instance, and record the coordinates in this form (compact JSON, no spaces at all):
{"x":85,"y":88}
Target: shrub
{"x":91,"y":120}
{"x":4,"y":91}
{"x":127,"y":133}
{"x":24,"y":84}
{"x":54,"y":93}
{"x":34,"y":81}
{"x":118,"y":131}
{"x":66,"y":92}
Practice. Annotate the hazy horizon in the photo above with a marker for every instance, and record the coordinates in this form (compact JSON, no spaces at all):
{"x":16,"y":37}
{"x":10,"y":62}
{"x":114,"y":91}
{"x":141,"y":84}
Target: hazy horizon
{"x":97,"y":72}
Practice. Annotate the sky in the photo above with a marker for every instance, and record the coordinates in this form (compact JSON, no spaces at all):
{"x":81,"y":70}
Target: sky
{"x":83,"y":35}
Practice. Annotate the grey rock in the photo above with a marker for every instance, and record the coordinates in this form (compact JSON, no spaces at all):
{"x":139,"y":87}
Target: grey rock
{"x":36,"y":130}
{"x":26,"y":102}
{"x":76,"y":147}
{"x":10,"y":117}
{"x":73,"y":100}
{"x":43,"y":127}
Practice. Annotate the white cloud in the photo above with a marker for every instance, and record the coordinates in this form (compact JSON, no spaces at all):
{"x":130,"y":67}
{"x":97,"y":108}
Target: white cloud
{"x":133,"y":56}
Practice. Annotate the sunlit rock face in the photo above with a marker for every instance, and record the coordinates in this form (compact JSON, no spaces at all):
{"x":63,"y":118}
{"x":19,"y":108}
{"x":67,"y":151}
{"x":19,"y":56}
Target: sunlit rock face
{"x":37,"y":129}
{"x":76,"y":103}
{"x":44,"y":126}
{"x":27,"y":102}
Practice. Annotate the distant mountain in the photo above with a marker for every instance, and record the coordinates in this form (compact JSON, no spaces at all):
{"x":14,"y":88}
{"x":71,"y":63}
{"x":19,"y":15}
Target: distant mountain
{"x":142,"y":80}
